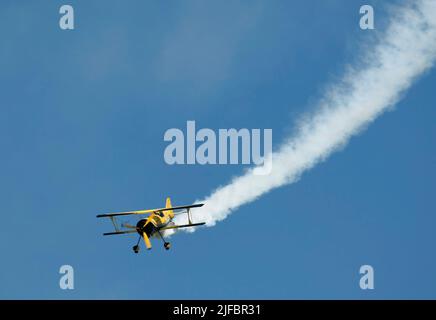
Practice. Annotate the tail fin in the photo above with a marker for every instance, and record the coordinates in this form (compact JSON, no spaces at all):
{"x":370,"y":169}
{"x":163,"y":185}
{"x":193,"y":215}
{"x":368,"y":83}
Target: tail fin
{"x":168,"y":205}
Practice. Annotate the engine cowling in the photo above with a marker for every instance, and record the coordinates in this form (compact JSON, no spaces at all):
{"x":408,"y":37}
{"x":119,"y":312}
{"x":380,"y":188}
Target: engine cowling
{"x":142,"y":226}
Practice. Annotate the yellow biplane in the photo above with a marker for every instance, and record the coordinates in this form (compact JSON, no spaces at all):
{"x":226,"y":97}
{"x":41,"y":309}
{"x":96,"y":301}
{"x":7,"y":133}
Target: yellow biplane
{"x":158,"y":220}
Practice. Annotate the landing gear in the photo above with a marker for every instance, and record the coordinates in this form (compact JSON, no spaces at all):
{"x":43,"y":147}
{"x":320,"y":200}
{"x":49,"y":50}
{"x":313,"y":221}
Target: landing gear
{"x":136,"y":247}
{"x":167,"y":245}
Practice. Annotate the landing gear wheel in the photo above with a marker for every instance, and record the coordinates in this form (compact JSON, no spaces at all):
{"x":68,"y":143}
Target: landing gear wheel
{"x":136,"y":249}
{"x":167,"y":245}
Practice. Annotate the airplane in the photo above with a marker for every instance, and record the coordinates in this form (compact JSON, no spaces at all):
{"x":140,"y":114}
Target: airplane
{"x":158,"y":220}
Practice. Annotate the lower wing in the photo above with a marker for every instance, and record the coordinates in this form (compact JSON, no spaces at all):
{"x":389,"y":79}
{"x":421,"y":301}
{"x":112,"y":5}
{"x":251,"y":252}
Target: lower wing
{"x":119,"y":232}
{"x":183,"y":226}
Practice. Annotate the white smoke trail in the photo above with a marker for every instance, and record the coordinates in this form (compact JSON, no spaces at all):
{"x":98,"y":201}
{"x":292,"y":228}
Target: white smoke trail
{"x":404,"y":51}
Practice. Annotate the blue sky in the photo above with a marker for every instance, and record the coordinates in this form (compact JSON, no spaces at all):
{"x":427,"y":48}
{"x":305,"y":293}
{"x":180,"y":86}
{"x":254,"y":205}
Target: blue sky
{"x":83,"y":118}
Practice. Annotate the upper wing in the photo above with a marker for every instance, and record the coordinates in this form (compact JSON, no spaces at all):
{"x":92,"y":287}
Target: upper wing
{"x":183,"y":226}
{"x":148,"y":211}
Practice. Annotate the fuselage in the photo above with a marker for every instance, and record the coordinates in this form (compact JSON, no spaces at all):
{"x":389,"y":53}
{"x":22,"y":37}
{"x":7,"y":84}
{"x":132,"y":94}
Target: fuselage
{"x":153,"y":223}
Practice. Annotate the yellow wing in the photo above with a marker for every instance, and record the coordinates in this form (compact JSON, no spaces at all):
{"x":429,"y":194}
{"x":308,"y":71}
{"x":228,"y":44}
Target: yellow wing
{"x":149,"y":211}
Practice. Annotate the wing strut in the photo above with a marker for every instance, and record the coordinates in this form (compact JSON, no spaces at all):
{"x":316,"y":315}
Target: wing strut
{"x":189,"y":216}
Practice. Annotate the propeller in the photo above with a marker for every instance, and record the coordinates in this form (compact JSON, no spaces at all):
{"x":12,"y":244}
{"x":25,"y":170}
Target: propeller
{"x":129,"y":226}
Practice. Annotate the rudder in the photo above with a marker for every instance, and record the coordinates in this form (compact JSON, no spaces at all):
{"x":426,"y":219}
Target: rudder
{"x":168,"y":205}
